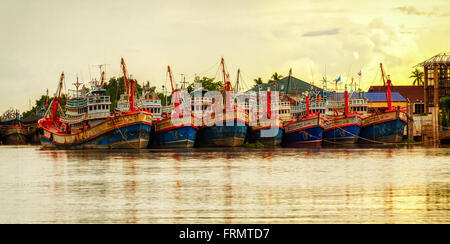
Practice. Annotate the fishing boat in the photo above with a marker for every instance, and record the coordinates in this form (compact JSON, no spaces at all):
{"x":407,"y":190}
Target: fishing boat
{"x":268,"y":129}
{"x":88,"y":123}
{"x":15,"y":135}
{"x":228,"y":127}
{"x":150,"y":102}
{"x":342,"y":128}
{"x":175,"y":130}
{"x":306,"y":130}
{"x":13,"y":131}
{"x":386,"y":126}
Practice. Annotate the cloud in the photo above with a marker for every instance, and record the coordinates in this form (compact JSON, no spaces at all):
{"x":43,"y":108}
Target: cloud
{"x":257,"y":36}
{"x":411,"y":10}
{"x":359,"y":46}
{"x":329,"y":32}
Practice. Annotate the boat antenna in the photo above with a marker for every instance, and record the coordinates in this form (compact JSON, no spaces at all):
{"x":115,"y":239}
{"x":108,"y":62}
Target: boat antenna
{"x":77,"y":85}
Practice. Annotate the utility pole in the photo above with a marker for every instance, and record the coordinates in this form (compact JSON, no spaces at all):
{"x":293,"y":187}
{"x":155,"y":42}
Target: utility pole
{"x":289,"y":81}
{"x":183,"y":81}
{"x":324,"y":86}
{"x":164,"y":94}
{"x":237,"y":81}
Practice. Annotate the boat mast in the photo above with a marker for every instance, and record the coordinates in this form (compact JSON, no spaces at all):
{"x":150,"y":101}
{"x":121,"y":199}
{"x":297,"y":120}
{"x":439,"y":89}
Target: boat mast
{"x":237,"y":80}
{"x":125,"y":75}
{"x":55,"y":102}
{"x":346,"y":102}
{"x":226,"y":83}
{"x":102,"y":79}
{"x":269,"y":112}
{"x":132,"y":89}
{"x":77,"y":85}
{"x":170,"y":76}
{"x":307,"y":106}
{"x":147,"y":96}
{"x":50,"y":119}
{"x":387,"y":84}
{"x":129,"y":84}
{"x":46,"y":100}
{"x":174,"y":93}
{"x":324,"y":86}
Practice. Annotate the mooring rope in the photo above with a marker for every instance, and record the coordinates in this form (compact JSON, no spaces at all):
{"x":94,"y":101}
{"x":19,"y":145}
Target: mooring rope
{"x":328,"y":141}
{"x":123,"y":137}
{"x":387,"y":143}
{"x":359,"y":137}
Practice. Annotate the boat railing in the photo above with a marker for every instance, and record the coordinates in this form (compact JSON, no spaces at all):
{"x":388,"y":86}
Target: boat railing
{"x":98,"y":114}
{"x":80,"y":103}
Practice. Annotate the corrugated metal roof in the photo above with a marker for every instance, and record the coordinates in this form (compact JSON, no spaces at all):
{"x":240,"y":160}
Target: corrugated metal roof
{"x":375,"y":96}
{"x":295,"y":86}
{"x":413,"y":93}
{"x":441,"y":58}
{"x":381,"y":97}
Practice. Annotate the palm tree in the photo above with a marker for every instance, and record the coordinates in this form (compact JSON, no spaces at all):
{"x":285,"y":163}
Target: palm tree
{"x":418,"y":77}
{"x":275,"y":77}
{"x":258,"y":81}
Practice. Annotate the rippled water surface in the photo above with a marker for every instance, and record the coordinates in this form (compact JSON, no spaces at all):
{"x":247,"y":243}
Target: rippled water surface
{"x":327,"y":185}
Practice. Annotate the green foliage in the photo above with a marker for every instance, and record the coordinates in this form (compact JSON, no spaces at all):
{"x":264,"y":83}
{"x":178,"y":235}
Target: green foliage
{"x":408,"y":141}
{"x":444,"y":104}
{"x":116,"y":87}
{"x":63,"y":101}
{"x":275,"y":77}
{"x":258,"y":81}
{"x":38,"y":108}
{"x":254,"y":145}
{"x":208,"y":84}
{"x":165,"y":99}
{"x":418,"y":77}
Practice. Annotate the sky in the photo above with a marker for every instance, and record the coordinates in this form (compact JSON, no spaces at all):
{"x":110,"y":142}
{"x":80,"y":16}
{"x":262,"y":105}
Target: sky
{"x":42,"y":38}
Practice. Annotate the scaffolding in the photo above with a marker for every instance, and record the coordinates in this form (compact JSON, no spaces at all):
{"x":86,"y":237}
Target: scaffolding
{"x":436,"y":80}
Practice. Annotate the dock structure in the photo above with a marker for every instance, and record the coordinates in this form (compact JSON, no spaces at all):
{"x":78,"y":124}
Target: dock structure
{"x":436,"y":79}
{"x":444,"y":134}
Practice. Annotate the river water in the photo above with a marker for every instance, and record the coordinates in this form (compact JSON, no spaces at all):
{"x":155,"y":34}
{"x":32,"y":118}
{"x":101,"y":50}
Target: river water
{"x":326,"y":185}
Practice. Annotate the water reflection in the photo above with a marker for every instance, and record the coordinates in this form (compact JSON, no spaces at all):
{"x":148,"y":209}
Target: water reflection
{"x":312,"y":185}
